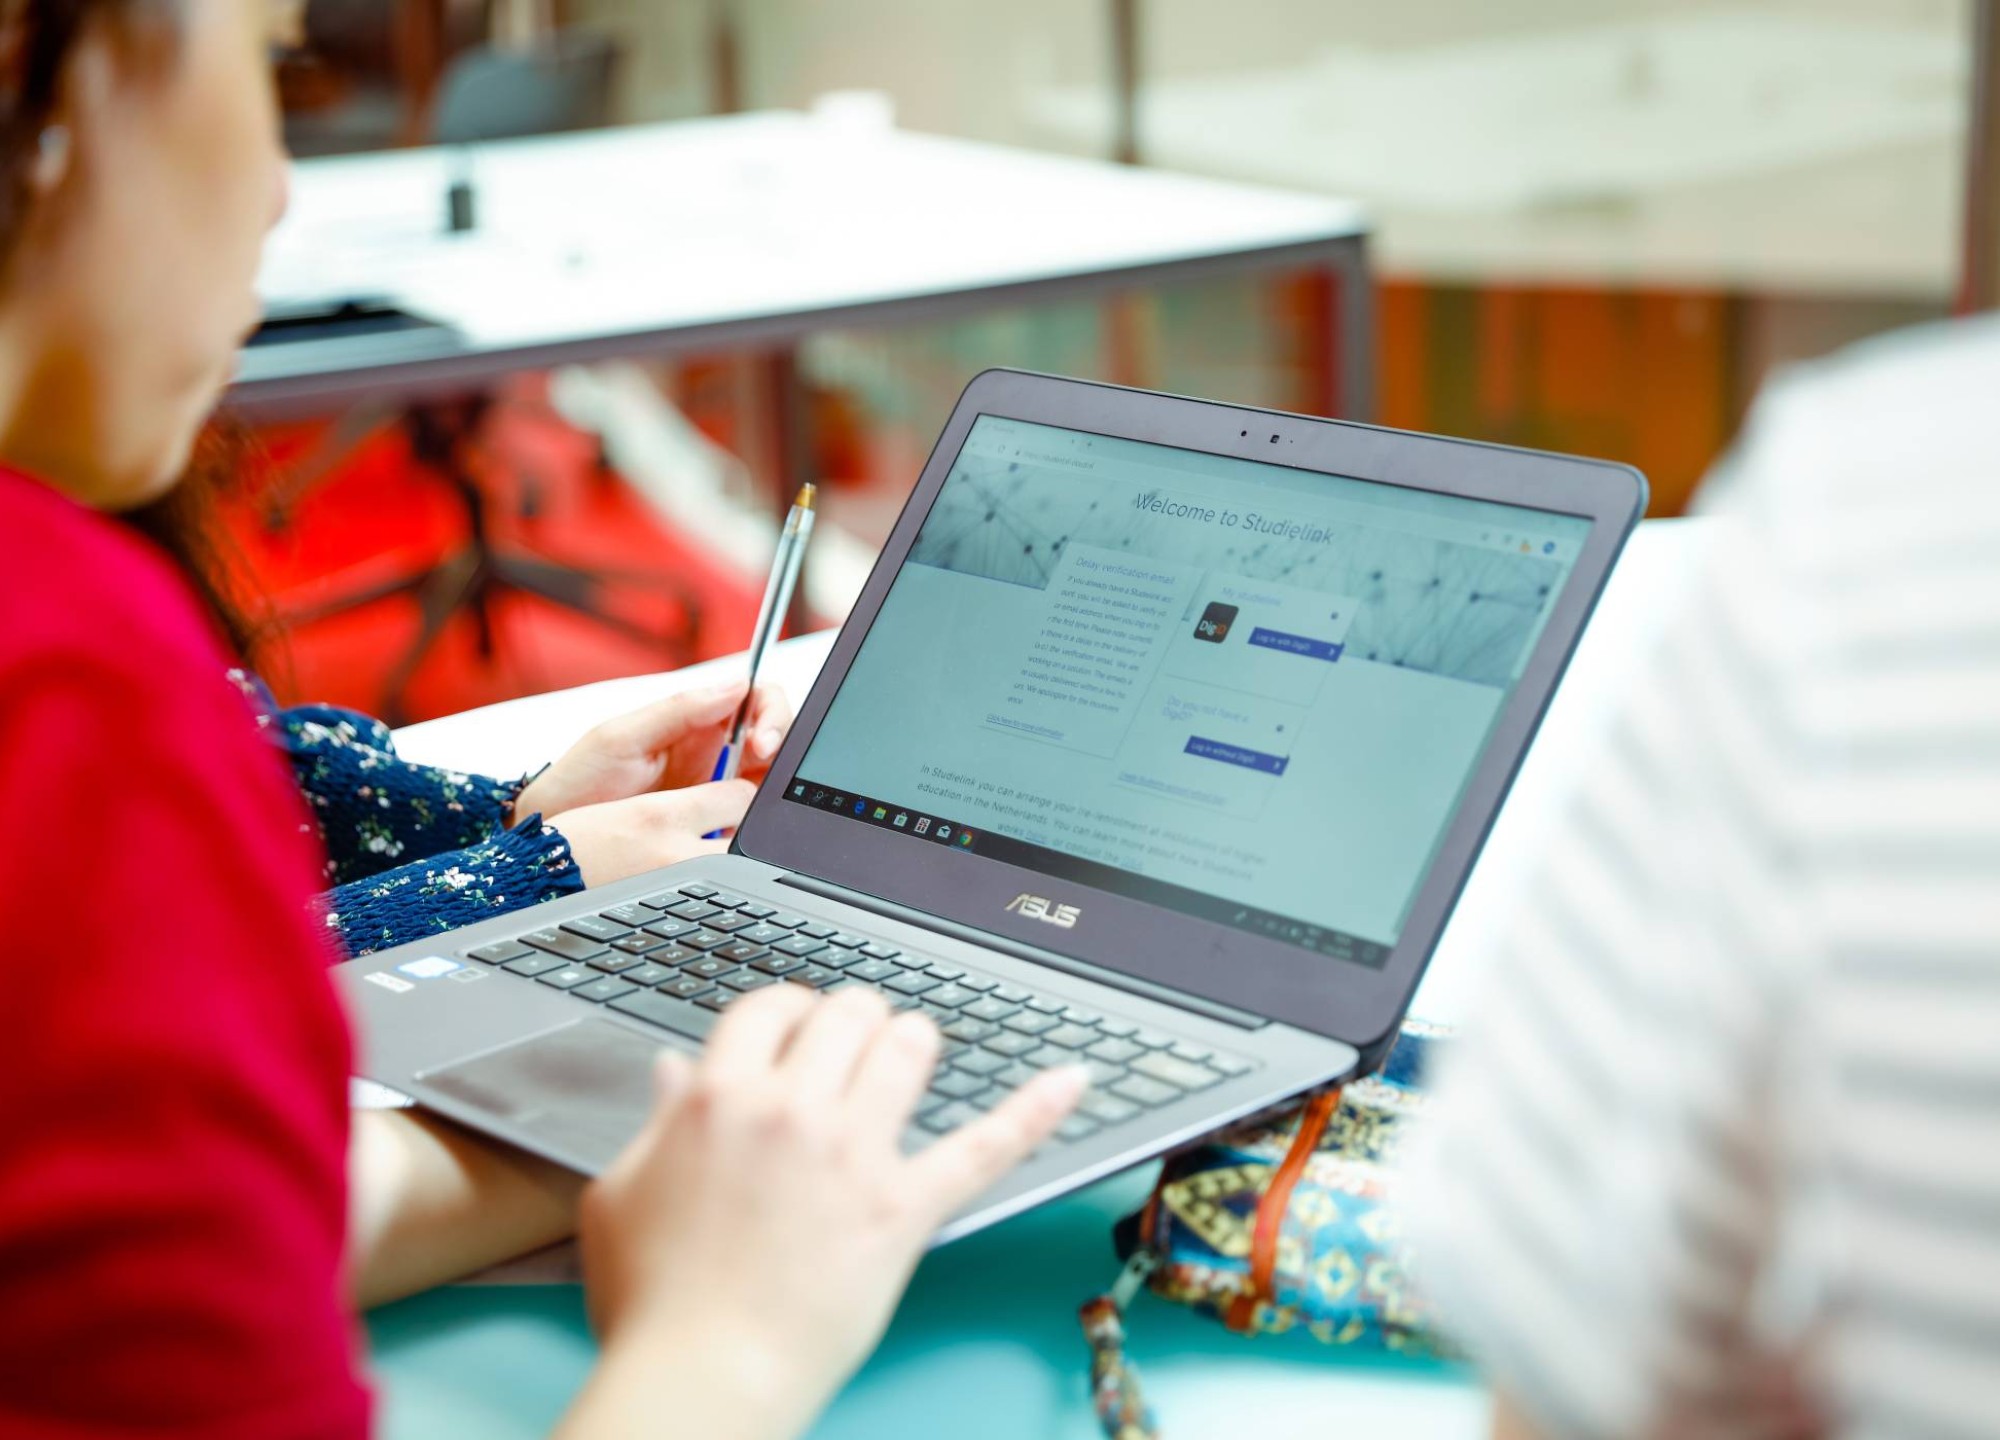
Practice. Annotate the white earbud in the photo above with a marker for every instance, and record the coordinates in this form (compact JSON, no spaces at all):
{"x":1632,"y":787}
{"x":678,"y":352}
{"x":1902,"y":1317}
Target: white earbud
{"x":51,"y":154}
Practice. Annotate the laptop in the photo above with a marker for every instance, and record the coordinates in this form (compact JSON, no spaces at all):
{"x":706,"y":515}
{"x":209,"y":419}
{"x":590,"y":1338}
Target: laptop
{"x":1160,"y":740}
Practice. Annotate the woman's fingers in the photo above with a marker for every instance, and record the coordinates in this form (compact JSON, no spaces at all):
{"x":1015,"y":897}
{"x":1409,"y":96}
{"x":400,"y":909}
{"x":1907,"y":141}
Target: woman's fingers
{"x":672,"y":1074}
{"x":674,"y":741}
{"x":894,"y":1073}
{"x":829,"y":1046}
{"x":754,"y":1033}
{"x":659,"y":724}
{"x":949,"y":1173}
{"x":621,"y":838}
{"x":770,"y":718}
{"x":718,"y":805}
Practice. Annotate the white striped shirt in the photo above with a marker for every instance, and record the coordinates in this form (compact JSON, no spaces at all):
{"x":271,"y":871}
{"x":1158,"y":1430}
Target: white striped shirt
{"x":1732,"y":1100}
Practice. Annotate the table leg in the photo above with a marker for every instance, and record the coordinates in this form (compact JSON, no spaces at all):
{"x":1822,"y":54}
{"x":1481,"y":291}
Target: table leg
{"x":791,"y":422}
{"x":1125,"y":53}
{"x":1979,"y":258}
{"x":419,"y":60}
{"x":1345,"y":383}
{"x":789,"y":409}
{"x":1128,"y":338}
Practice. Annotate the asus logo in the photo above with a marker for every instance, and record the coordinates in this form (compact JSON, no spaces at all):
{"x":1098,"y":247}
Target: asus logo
{"x":1034,"y":907}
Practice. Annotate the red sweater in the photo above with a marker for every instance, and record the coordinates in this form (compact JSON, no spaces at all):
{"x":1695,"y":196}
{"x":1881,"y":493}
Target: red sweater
{"x":173,"y":1110}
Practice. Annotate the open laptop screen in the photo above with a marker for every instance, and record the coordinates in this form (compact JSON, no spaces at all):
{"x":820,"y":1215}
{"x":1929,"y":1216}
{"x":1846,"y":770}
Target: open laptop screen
{"x":1246,"y":692}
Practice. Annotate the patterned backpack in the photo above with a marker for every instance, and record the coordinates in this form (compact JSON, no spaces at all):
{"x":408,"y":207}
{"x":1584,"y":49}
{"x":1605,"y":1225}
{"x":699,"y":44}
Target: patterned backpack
{"x":1276,"y":1225}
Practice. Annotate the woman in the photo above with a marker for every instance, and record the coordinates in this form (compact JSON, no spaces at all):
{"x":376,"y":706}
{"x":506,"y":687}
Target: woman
{"x":186,"y":1223}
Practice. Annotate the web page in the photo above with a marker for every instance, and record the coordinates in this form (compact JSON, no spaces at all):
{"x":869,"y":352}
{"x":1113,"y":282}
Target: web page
{"x":1244,"y":691}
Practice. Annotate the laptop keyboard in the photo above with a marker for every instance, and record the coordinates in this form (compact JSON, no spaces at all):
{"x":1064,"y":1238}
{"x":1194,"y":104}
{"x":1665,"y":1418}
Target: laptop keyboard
{"x":680,"y":958}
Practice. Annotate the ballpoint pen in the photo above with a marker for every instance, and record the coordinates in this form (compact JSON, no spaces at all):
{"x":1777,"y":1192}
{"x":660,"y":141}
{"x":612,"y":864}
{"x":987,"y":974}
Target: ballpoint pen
{"x":770,"y":620}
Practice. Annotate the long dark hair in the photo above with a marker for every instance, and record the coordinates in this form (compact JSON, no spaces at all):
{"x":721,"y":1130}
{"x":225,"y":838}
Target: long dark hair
{"x":36,"y":38}
{"x":185,"y":523}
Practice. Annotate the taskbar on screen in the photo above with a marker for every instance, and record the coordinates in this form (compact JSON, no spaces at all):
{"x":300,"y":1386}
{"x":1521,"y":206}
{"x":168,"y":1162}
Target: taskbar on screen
{"x":934,"y":829}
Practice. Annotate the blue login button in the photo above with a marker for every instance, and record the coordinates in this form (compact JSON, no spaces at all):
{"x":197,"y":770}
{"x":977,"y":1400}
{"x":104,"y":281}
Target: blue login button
{"x":1296,"y":644}
{"x":1237,"y":755}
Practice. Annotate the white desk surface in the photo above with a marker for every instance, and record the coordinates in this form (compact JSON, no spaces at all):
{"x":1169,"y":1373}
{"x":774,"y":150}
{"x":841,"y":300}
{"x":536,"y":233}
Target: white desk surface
{"x":705,"y":222}
{"x":1776,"y":148}
{"x":518,"y":735}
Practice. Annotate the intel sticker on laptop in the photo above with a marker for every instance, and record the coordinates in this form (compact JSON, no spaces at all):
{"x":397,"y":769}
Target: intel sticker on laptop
{"x":429,"y":968}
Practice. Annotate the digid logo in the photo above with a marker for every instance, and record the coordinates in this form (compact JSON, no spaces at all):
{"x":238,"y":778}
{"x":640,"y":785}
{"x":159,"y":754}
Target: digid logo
{"x":1037,"y":907}
{"x":1215,"y":622}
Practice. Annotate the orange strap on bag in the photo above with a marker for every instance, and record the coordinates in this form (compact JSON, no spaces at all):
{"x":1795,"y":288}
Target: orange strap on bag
{"x":1123,"y":1412}
{"x":1272,"y":1204}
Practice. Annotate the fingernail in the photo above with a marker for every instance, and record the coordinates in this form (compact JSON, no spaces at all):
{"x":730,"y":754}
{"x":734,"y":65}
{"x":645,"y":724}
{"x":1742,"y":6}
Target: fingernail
{"x":769,"y":739}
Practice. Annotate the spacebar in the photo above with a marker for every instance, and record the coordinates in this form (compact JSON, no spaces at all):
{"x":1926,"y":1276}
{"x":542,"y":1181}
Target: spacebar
{"x":676,"y":1015}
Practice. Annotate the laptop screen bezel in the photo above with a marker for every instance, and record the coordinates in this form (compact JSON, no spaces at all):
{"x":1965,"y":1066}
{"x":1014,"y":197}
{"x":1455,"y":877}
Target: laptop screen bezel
{"x":1265,"y":977}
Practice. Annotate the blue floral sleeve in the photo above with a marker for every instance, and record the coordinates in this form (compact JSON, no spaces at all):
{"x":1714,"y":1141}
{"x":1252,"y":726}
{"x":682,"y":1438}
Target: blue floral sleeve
{"x":506,"y":871}
{"x":412,"y":850}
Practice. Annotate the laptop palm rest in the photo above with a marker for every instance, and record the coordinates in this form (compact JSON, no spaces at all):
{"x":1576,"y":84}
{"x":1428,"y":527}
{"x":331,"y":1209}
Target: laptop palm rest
{"x":586,"y":1087}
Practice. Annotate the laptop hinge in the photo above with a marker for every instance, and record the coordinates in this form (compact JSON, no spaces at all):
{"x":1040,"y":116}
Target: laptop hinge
{"x":1083,"y":969}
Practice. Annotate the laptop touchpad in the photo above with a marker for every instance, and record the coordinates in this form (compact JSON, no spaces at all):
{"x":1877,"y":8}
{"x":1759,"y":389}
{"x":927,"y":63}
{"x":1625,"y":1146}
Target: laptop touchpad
{"x":585,"y":1088}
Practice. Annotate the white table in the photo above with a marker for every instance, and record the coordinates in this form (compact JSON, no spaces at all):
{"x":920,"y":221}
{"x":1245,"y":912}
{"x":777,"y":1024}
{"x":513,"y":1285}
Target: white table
{"x":744,"y":232}
{"x":1772,"y":149}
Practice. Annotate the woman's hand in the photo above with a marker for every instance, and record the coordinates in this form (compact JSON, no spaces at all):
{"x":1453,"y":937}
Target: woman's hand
{"x":667,"y":745}
{"x":747,"y":1249}
{"x":646,"y":832}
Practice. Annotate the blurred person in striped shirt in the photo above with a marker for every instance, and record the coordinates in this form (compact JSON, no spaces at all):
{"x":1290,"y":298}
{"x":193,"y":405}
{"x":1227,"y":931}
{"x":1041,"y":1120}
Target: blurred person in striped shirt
{"x":1721,"y":1153}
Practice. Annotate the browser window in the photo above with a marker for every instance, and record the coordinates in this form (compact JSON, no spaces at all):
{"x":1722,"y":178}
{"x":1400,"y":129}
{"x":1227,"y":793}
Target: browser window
{"x":1245,"y":691}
